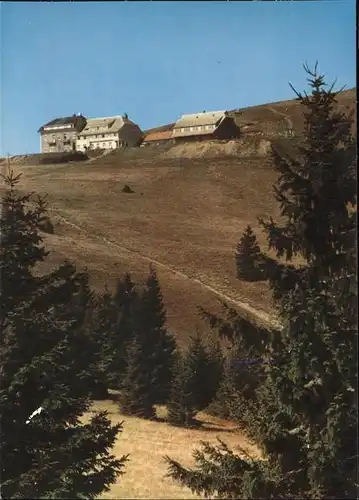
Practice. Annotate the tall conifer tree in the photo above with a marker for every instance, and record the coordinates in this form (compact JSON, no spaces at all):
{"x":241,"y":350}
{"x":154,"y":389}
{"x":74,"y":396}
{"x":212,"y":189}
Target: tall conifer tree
{"x":45,"y":368}
{"x":123,"y":308}
{"x":181,"y":411}
{"x":161,"y":345}
{"x":248,"y":257}
{"x":307,"y":404}
{"x":135,"y":396}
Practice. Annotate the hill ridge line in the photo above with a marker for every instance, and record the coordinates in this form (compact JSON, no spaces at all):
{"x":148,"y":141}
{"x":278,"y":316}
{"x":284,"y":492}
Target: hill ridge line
{"x":263,"y":317}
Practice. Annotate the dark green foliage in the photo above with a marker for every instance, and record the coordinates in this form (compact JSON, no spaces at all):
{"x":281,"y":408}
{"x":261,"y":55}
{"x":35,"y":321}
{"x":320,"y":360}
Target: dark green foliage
{"x":197,"y":368}
{"x":120,"y":314}
{"x":159,"y":343}
{"x":316,"y":188}
{"x":80,"y":313}
{"x":243,"y":374}
{"x":219,"y":466}
{"x":248,"y":257}
{"x":103,"y":323}
{"x":95,"y":321}
{"x":282,"y":277}
{"x":216,"y":362}
{"x":135,"y":398}
{"x":21,"y":244}
{"x":142,"y":322}
{"x":180,"y":405}
{"x":306,"y":406}
{"x":195,"y":382}
{"x":233,"y":327}
{"x":47,"y":359}
{"x":221,"y":403}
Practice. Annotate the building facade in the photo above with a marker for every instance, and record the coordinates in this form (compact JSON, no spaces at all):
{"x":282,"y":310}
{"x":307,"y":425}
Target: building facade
{"x":60,"y":135}
{"x":109,"y":133}
{"x":158,"y":138}
{"x":205,"y":126}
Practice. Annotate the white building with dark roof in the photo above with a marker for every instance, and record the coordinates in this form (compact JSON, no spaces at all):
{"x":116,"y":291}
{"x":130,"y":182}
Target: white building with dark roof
{"x":109,"y":133}
{"x":60,"y":134}
{"x":206,"y":125}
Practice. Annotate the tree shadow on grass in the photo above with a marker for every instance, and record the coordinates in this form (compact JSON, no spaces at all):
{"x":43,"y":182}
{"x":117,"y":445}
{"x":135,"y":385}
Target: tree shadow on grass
{"x":210,"y":427}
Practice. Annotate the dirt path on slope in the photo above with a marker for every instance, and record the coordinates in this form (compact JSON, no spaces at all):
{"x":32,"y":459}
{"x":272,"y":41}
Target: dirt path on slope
{"x":262,"y":317}
{"x":286,"y":117}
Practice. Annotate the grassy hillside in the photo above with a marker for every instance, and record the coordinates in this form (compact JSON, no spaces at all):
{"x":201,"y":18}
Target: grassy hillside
{"x":185,"y":214}
{"x":189,"y":207}
{"x":148,"y":441}
{"x":272,"y":118}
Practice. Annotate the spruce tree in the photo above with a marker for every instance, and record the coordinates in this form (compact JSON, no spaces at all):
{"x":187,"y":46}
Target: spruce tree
{"x":242,"y":370}
{"x":248,"y":257}
{"x":216,"y":362}
{"x":192,"y":385}
{"x":180,"y":406}
{"x":160,"y":344}
{"x":145,"y":349}
{"x":198,"y":367}
{"x":135,"y":397}
{"x":307,"y":404}
{"x":102,"y":326}
{"x":123,"y":309}
{"x":242,"y":376}
{"x":20,"y":247}
{"x":47,"y":451}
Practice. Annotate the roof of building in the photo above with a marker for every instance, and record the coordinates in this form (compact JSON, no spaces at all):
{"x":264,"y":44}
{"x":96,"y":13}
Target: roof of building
{"x":158,"y":136}
{"x":162,"y":128}
{"x":108,"y":125}
{"x":200,"y":119}
{"x":67,"y":120}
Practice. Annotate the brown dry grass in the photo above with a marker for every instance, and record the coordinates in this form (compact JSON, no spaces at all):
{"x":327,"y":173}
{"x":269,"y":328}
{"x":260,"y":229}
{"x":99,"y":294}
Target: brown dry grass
{"x":148,"y":441}
{"x":187,"y":213}
{"x":190,"y":217}
{"x":268,"y":118}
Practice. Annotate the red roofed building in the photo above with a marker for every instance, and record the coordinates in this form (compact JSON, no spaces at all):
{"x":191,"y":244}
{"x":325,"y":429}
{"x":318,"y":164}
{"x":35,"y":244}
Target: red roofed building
{"x":157,"y":137}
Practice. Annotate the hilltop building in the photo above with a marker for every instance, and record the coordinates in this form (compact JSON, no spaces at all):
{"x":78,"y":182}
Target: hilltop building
{"x":60,"y":134}
{"x":157,"y":138}
{"x":158,"y":135}
{"x":109,"y":133}
{"x":204,"y":126}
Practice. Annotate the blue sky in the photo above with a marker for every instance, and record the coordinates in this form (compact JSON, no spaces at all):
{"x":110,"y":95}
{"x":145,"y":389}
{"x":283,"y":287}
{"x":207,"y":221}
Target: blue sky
{"x":157,"y":60}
